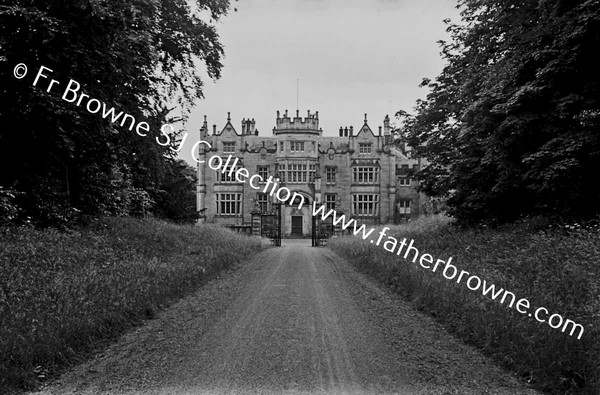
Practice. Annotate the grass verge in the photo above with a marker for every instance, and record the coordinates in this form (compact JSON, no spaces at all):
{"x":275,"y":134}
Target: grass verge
{"x":63,"y":292}
{"x":554,"y":268}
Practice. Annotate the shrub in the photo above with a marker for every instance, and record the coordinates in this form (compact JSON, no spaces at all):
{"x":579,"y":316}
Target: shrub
{"x":61,"y":292}
{"x":556,"y":268}
{"x":9,"y":210}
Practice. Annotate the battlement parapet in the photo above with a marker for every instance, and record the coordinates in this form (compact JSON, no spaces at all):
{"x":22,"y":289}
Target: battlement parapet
{"x":286,"y":123}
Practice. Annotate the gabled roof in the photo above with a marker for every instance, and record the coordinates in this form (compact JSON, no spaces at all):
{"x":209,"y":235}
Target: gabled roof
{"x":228,"y":129}
{"x":365,"y":128}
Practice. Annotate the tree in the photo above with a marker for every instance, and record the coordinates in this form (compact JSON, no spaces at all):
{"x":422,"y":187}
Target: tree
{"x":138,"y":56}
{"x":177,"y":200}
{"x":510,"y":125}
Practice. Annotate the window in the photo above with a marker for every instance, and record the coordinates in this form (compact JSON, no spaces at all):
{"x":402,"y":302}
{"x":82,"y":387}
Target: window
{"x":297,"y":146}
{"x":364,"y":148}
{"x":263,"y":171}
{"x":366,"y":175}
{"x":228,"y":147}
{"x":281,"y":146}
{"x":296,"y":173}
{"x":223,"y":174}
{"x":229,"y":203}
{"x":330,"y":199}
{"x":263,"y":201}
{"x":330,"y":175}
{"x":404,"y":182}
{"x":312,"y":171}
{"x":404,"y":207}
{"x":365,"y":205}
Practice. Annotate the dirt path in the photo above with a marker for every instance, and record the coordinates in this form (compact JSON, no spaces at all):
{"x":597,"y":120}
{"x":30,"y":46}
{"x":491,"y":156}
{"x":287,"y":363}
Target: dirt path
{"x":295,"y":319}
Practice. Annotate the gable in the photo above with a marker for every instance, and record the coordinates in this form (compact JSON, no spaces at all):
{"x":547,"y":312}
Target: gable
{"x":365,"y":133}
{"x":228,"y":131}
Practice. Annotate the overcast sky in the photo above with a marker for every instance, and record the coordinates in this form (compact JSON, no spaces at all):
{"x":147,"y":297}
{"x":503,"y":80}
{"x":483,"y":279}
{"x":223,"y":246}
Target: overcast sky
{"x":351,"y":57}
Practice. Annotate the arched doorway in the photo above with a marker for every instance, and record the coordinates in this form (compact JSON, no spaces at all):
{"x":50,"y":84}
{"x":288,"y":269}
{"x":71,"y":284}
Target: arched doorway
{"x":297,"y":215}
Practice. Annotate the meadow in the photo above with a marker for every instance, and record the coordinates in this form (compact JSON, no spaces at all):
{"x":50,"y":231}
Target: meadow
{"x":557,"y":267}
{"x":64,"y":293}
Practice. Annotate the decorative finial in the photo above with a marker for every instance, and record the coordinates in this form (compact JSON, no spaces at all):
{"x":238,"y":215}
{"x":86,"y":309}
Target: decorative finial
{"x":228,"y":116}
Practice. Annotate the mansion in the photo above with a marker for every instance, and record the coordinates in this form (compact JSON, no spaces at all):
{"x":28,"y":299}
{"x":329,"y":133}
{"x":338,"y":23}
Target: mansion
{"x":359,"y":173}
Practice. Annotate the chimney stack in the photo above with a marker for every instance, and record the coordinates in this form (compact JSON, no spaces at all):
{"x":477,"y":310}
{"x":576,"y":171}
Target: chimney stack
{"x":386,"y":126}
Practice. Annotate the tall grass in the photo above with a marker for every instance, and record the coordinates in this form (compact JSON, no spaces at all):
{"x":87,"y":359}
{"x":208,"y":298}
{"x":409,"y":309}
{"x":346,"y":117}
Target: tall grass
{"x":61,"y":292}
{"x":554,"y":268}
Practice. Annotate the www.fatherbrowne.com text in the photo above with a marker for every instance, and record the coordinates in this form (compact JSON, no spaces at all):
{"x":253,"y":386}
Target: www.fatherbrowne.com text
{"x":449,"y":271}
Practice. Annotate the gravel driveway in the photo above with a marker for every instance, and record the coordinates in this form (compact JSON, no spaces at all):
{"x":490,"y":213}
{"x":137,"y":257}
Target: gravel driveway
{"x":294,"y":319}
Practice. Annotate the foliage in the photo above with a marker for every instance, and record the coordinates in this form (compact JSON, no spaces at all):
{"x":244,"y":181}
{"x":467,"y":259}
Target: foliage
{"x":62,"y":292}
{"x":554,"y":267}
{"x":178,"y":198}
{"x":9,"y":210}
{"x":137,"y":56}
{"x":511,"y":124}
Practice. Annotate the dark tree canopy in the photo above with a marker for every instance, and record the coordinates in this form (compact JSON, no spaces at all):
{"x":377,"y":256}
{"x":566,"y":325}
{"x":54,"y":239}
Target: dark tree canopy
{"x":139,"y":56}
{"x":178,"y":193}
{"x":512,"y":124}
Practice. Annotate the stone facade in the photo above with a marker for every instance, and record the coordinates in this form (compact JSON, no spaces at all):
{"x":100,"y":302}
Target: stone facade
{"x":359,"y":173}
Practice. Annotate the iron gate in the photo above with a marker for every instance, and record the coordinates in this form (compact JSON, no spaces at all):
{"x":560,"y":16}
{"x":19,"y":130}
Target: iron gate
{"x":271,"y":224}
{"x":321,"y":231}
